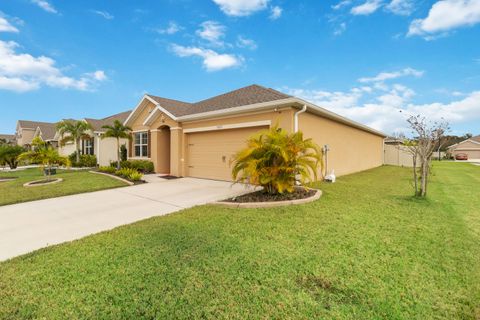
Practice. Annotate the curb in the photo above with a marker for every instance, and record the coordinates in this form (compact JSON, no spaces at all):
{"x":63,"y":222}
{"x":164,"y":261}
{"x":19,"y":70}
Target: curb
{"x":114,"y":177}
{"x":31,"y":183}
{"x":270,"y":204}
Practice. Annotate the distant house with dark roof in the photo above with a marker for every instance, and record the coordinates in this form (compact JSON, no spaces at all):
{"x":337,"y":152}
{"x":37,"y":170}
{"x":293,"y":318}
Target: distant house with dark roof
{"x":27,"y":130}
{"x":105,"y":149}
{"x":471,"y":147}
{"x":198,"y":139}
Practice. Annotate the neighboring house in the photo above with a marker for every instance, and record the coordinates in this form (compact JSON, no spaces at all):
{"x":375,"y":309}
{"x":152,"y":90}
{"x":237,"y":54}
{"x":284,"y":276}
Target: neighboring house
{"x":471,"y":147}
{"x":199,"y":139}
{"x":27,"y":130}
{"x":7,"y":138}
{"x":396,"y":154}
{"x":104,"y":149}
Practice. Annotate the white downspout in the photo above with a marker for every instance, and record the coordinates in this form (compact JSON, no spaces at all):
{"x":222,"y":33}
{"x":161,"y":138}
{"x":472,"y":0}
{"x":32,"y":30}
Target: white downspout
{"x":295,"y":124}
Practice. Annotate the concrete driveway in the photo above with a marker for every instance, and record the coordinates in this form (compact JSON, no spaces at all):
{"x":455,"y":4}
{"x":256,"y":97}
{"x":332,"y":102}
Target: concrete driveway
{"x":33,"y":225}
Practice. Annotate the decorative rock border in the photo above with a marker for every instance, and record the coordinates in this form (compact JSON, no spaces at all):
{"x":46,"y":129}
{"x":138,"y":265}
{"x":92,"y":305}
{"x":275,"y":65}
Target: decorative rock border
{"x":270,"y":204}
{"x":32,"y":184}
{"x":8,"y":179}
{"x":130,"y":183}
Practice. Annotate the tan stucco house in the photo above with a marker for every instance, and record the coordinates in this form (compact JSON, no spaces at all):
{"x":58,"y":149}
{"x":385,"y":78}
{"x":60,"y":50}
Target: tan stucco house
{"x":27,"y":130}
{"x":471,"y":147}
{"x":105,"y":149}
{"x":198,"y":139}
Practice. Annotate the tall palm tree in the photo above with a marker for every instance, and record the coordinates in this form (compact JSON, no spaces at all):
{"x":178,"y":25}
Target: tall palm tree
{"x":71,"y":130}
{"x":118,"y":131}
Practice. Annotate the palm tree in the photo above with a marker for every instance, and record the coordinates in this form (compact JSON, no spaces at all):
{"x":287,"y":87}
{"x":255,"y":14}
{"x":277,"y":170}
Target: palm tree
{"x":118,"y":131}
{"x":45,"y":155}
{"x":75,"y":131}
{"x":275,"y":159}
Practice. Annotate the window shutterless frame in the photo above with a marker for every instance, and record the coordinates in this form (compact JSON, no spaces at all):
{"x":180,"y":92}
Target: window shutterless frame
{"x":140,"y":144}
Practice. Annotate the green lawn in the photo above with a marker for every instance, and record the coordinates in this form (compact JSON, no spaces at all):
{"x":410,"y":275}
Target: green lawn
{"x":365,"y":250}
{"x":74,"y":182}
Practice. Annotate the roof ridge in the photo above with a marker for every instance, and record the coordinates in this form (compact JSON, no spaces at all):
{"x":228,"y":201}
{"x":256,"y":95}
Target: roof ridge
{"x":154,"y":96}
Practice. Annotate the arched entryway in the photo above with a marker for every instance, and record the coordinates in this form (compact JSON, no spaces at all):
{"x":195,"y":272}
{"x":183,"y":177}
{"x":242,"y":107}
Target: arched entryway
{"x":163,"y":150}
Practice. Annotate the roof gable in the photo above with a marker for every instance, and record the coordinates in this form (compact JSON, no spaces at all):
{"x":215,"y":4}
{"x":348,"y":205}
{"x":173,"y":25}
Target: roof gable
{"x":241,"y":97}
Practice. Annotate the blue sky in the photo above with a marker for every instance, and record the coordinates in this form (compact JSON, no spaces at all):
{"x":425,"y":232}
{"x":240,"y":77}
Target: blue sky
{"x":374,"y":61}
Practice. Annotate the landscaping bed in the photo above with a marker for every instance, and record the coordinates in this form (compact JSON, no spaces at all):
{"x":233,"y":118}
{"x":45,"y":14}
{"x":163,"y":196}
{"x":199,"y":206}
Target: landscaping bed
{"x":12,"y":191}
{"x":262,"y":196}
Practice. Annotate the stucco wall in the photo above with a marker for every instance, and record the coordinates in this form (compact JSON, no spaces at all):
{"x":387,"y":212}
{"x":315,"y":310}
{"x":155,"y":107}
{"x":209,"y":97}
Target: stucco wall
{"x":106,"y":150}
{"x":351,"y":149}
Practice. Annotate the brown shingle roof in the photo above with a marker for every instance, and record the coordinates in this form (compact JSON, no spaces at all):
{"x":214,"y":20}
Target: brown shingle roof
{"x":48,"y":130}
{"x":476,"y":138}
{"x":240,"y":97}
{"x":97,"y":124}
{"x":27,"y":124}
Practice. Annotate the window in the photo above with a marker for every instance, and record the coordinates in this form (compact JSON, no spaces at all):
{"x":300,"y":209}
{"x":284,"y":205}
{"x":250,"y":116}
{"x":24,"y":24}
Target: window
{"x":141,"y":144}
{"x":88,"y":146}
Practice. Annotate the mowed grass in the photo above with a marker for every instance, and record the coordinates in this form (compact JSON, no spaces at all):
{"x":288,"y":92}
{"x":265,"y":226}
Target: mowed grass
{"x":73,"y":182}
{"x":365,"y":250}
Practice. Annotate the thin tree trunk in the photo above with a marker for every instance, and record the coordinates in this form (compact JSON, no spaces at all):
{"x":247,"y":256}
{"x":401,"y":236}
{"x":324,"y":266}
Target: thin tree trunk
{"x":415,"y":178}
{"x":77,"y":143}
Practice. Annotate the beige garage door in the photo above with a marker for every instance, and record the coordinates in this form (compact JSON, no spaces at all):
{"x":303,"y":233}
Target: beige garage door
{"x":209,"y":153}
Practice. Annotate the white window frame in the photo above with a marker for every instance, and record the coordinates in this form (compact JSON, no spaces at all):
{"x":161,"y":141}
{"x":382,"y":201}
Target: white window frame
{"x":88,"y":146}
{"x":141,"y":144}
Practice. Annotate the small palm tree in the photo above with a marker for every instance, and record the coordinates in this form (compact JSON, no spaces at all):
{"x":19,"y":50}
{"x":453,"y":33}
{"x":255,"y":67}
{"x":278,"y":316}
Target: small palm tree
{"x":75,"y":131}
{"x":275,"y":160}
{"x":45,"y":155}
{"x":118,"y":131}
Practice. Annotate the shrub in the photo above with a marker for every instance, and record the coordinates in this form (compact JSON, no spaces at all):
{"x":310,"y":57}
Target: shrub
{"x":10,"y":155}
{"x":86,"y":160}
{"x":129,"y":174}
{"x":135,"y":176}
{"x":143,"y":166}
{"x":123,"y":153}
{"x":275,"y":159}
{"x":110,"y":170}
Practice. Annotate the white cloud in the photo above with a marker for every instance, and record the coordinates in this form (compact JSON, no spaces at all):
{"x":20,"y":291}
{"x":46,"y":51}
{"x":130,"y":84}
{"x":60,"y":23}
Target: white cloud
{"x":246,"y":43}
{"x":5,"y":26}
{"x":276,"y":12}
{"x":104,"y":14}
{"x":45,"y":5}
{"x":342,"y":4}
{"x":212,"y":60}
{"x":400,"y":7}
{"x":241,"y":8}
{"x":213,"y":32}
{"x":340,"y":29}
{"x":388,"y":112}
{"x":383,"y":76}
{"x":172,"y":28}
{"x":445,"y":15}
{"x":369,"y":7}
{"x":23,"y":72}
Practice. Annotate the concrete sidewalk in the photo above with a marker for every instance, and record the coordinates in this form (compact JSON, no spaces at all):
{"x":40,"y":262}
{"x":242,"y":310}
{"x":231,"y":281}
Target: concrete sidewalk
{"x":33,"y":225}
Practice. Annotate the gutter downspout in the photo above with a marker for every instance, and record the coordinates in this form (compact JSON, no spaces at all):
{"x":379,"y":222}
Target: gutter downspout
{"x":295,"y":124}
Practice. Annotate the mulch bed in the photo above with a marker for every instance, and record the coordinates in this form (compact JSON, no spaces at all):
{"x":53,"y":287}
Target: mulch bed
{"x":261,"y":196}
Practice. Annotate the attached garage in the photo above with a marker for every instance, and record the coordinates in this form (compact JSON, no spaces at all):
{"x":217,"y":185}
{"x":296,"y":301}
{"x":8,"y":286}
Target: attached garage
{"x":209,"y":153}
{"x":204,"y":135}
{"x":470,"y":147}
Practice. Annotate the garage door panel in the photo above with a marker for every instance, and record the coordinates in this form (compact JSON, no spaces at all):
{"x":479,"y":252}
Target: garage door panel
{"x":209,"y":153}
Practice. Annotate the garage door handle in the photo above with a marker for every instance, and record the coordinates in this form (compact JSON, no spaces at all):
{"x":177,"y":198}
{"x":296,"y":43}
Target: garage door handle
{"x":190,"y":166}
